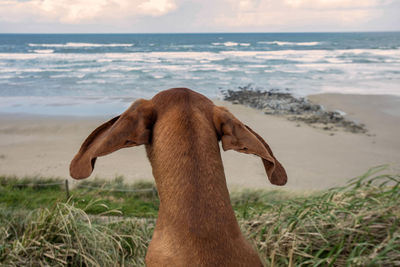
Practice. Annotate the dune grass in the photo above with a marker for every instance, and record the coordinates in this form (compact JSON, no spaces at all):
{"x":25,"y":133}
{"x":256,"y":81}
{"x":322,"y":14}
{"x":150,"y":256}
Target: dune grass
{"x":354,"y":225}
{"x":66,"y":236}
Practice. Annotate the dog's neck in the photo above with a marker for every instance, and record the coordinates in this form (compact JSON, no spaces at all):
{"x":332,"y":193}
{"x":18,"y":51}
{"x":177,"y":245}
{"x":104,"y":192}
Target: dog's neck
{"x":189,"y":174}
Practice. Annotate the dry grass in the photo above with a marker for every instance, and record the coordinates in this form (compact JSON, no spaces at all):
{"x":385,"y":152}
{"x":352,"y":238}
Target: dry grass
{"x":66,"y":236}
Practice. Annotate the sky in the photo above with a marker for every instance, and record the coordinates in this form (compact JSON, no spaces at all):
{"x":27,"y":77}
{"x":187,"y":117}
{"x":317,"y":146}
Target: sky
{"x":166,"y":16}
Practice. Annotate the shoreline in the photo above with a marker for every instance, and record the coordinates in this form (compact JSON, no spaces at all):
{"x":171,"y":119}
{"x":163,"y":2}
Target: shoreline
{"x":314,"y":159}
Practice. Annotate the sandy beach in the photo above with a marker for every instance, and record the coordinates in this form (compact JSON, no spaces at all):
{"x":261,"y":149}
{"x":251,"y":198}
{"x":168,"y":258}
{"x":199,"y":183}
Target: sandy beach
{"x":314,"y":158}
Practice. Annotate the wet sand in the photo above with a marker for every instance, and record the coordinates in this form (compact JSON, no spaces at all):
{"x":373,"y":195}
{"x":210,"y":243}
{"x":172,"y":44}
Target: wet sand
{"x":314,"y":158}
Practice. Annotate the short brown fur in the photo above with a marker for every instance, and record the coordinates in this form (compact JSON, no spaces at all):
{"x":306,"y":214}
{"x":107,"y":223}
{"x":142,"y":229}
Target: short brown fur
{"x":196,"y":225}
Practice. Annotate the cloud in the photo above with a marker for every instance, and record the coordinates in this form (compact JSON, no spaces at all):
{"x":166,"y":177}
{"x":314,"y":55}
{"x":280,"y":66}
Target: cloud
{"x":270,"y":14}
{"x":76,"y":11}
{"x":197,"y":15}
{"x":334,"y":4}
{"x":157,"y":7}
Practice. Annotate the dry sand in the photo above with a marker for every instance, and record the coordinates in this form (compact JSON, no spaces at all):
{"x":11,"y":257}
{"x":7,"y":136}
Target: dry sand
{"x":314,"y":159}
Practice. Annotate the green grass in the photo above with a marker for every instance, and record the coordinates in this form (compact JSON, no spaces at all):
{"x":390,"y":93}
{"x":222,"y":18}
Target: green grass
{"x":354,"y":225}
{"x":28,"y":193}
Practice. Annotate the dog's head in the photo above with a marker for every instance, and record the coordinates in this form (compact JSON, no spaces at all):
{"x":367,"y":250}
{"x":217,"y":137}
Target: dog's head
{"x":134,"y":127}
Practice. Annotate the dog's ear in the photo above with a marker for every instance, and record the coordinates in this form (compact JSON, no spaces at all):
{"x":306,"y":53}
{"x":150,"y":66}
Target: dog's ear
{"x":131,"y":128}
{"x":239,"y":137}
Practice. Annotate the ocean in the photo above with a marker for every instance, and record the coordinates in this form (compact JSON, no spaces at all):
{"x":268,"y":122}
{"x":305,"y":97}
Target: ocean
{"x":100,"y":74}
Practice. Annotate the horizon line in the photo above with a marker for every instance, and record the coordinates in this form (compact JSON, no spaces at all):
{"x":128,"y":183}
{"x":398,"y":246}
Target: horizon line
{"x":216,"y":32}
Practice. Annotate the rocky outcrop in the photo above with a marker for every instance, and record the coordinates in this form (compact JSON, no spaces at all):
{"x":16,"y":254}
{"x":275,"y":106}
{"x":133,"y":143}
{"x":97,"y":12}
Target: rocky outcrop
{"x":294,"y":108}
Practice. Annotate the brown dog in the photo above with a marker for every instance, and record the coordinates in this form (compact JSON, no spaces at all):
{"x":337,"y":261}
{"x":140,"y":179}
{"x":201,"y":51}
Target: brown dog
{"x":196,"y":225}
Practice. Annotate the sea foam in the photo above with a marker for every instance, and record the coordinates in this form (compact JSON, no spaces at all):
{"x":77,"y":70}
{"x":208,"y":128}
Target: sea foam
{"x":281,"y":43}
{"x":80,"y":45}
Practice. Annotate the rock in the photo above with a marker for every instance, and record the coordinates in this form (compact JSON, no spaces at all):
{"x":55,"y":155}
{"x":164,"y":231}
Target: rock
{"x":274,"y":102}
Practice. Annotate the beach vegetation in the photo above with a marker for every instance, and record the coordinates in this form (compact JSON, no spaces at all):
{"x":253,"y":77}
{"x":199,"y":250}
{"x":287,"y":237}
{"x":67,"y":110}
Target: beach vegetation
{"x":354,"y":225}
